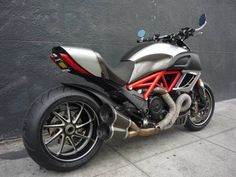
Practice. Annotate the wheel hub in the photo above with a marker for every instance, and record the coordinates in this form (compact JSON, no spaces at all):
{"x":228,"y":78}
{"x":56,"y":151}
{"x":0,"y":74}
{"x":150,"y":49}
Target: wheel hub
{"x":70,"y":129}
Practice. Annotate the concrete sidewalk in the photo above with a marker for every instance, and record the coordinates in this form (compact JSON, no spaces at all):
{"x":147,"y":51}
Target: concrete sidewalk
{"x":176,"y":152}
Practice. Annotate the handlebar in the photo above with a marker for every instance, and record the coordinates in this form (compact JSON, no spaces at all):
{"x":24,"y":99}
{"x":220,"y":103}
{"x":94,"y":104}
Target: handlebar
{"x":182,"y":35}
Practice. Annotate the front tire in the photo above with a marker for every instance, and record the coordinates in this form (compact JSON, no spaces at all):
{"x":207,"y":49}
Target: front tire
{"x":59,"y":130}
{"x":199,"y":120}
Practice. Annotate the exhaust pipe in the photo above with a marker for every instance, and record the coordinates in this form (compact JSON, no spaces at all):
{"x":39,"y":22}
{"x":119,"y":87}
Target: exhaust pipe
{"x":136,"y":131}
{"x":182,"y":104}
{"x":117,"y":125}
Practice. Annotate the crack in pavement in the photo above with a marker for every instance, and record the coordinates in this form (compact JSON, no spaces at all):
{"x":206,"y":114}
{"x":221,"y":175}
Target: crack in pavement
{"x":14,"y":155}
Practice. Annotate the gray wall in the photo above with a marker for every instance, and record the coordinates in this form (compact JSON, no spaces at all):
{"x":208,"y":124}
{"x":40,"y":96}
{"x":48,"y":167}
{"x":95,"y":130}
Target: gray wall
{"x":30,"y":28}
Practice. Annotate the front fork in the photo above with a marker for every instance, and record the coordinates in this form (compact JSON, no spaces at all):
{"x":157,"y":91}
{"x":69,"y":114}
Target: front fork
{"x":201,"y":90}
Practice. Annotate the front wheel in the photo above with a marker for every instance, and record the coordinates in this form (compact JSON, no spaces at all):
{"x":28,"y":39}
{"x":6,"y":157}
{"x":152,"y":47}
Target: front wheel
{"x":201,"y":113}
{"x":59,"y":130}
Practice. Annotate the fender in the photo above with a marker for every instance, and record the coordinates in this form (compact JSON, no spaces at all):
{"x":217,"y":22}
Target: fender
{"x":99,"y":96}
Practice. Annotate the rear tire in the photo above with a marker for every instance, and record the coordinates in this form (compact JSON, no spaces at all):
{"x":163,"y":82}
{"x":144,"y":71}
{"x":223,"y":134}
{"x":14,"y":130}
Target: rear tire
{"x":196,"y":126}
{"x":49,"y":124}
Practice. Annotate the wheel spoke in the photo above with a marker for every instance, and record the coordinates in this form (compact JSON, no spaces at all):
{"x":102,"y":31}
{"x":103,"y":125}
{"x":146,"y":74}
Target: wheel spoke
{"x":82,"y":125}
{"x":84,"y":137}
{"x":54,"y":137}
{"x":60,"y":117}
{"x":54,"y":126}
{"x":68,"y":112}
{"x":72,"y":143}
{"x":78,"y":115}
{"x":61,"y":144}
{"x":81,"y":136}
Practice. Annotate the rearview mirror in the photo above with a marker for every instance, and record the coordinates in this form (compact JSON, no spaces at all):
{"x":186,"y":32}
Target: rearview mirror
{"x":202,"y":19}
{"x":141,"y":33}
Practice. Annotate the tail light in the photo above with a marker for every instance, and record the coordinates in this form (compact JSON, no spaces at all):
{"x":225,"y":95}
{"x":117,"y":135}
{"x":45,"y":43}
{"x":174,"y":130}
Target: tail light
{"x":62,"y":64}
{"x":66,"y":63}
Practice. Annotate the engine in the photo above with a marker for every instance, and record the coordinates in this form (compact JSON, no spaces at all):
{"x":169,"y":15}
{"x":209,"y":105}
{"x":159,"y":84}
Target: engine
{"x":157,"y":108}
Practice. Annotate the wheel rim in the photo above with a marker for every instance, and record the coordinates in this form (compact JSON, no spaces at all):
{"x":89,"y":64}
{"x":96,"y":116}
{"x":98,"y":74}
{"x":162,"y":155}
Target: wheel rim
{"x":203,"y":116}
{"x":69,"y":132}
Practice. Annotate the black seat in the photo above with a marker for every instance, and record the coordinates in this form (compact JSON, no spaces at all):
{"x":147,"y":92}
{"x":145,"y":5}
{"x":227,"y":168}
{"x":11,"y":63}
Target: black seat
{"x":120,"y":74}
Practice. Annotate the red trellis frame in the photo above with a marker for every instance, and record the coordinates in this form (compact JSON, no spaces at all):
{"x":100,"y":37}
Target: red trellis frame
{"x":156,"y":80}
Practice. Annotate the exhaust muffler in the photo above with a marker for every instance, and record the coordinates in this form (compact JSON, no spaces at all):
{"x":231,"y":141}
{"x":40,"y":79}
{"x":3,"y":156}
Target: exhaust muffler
{"x":116,"y":125}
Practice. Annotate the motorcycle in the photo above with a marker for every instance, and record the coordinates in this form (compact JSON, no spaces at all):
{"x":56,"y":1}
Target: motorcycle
{"x":155,"y":86}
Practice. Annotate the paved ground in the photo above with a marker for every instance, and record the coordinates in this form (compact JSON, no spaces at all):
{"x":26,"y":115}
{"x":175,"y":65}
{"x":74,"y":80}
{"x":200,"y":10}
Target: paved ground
{"x":176,"y":152}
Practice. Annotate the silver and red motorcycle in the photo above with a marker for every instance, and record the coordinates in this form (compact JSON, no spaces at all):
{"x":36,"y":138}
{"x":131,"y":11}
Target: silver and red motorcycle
{"x":155,"y":86}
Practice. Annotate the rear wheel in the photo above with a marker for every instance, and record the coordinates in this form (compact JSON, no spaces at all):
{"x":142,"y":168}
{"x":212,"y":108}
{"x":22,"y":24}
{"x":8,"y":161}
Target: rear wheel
{"x":60,"y":129}
{"x":201,"y":114}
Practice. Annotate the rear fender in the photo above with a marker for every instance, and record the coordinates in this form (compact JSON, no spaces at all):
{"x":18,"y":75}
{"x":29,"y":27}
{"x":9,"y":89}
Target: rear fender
{"x":97,"y":95}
